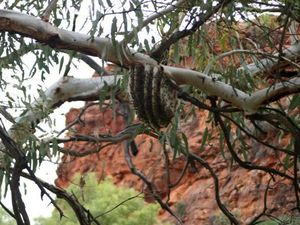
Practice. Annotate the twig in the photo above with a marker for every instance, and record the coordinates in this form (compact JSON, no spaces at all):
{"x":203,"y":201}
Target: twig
{"x":251,"y":52}
{"x":127,"y":114}
{"x":149,"y":185}
{"x":82,"y":154}
{"x":295,"y":131}
{"x":167,"y":165}
{"x":295,"y":168}
{"x":254,"y":221}
{"x":7,"y":210}
{"x":43,"y":191}
{"x":92,"y":63}
{"x":78,"y":118}
{"x":155,"y":16}
{"x":281,"y":43}
{"x":216,"y":185}
{"x":187,"y":162}
{"x":186,"y":97}
{"x":246,"y":165}
{"x":165,"y":44}
{"x":83,"y":215}
{"x":118,"y":205}
{"x":20,"y":163}
{"x":46,"y":14}
{"x":128,"y":133}
{"x":256,"y":138}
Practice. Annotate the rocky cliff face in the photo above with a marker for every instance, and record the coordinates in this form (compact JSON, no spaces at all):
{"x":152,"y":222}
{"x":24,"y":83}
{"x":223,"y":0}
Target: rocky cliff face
{"x":193,"y":199}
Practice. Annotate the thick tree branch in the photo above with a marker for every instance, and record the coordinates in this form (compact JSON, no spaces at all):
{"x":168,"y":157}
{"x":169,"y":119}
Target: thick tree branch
{"x":43,"y":32}
{"x":275,"y":92}
{"x":71,"y":89}
{"x":8,"y":59}
{"x":66,"y":89}
{"x":103,"y":47}
{"x":265,"y":64}
{"x":248,"y":102}
{"x":290,"y":54}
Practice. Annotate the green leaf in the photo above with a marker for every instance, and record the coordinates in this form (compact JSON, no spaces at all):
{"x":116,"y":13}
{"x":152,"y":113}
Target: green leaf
{"x":295,"y":102}
{"x":204,"y":138}
{"x":125,"y":22}
{"x":109,"y":3}
{"x":33,"y":159}
{"x":153,"y":40}
{"x":176,"y":53}
{"x":114,"y":29}
{"x":287,"y":162}
{"x":55,"y":147}
{"x":61,"y":63}
{"x":221,"y":142}
{"x":100,"y":2}
{"x":186,"y":143}
{"x":146,"y":43}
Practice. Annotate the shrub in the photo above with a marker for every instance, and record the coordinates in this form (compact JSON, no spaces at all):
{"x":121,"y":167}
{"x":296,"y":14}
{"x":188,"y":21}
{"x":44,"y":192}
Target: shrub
{"x":102,"y":197}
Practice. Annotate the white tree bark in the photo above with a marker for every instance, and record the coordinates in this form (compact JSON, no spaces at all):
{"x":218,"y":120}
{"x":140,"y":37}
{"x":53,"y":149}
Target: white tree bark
{"x":65,"y":89}
{"x":267,"y":64}
{"x":104,"y":48}
{"x":288,"y":56}
{"x":63,"y":39}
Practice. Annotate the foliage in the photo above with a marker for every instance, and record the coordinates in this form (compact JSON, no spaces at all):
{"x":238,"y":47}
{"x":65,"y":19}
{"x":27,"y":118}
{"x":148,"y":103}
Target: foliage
{"x":6,"y":219}
{"x":102,"y":197}
{"x":221,"y":219}
{"x":282,"y":220}
{"x":180,"y":208}
{"x":240,"y":64}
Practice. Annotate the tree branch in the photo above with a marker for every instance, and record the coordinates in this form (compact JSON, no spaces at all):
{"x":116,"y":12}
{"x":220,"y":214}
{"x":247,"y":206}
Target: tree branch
{"x":118,"y":205}
{"x":48,"y":10}
{"x":83,"y":215}
{"x":223,"y":208}
{"x":246,"y":164}
{"x":103,"y":47}
{"x":129,"y":133}
{"x":165,"y":44}
{"x":150,"y":186}
{"x":43,"y":32}
{"x":94,"y":65}
{"x":147,"y":21}
{"x":19,"y":164}
{"x":65,"y":89}
{"x":68,"y":89}
{"x":268,"y":64}
{"x":291,"y":52}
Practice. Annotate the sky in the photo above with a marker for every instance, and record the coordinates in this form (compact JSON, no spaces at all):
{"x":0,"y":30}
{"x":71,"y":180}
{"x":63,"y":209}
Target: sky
{"x":47,"y":171}
{"x":35,"y":206}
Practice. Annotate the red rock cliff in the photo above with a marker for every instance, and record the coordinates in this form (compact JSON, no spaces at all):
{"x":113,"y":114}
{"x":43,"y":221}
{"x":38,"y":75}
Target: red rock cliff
{"x":242,"y":191}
